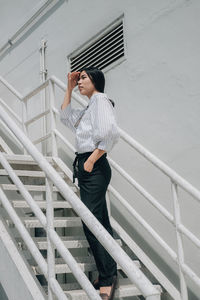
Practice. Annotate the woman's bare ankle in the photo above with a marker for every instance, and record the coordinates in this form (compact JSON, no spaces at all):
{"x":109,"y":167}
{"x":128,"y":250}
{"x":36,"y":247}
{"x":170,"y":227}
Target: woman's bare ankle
{"x":105,"y":290}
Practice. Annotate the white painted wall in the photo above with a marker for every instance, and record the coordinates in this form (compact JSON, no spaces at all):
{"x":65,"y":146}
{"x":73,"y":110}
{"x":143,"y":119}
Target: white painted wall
{"x":156,"y":90}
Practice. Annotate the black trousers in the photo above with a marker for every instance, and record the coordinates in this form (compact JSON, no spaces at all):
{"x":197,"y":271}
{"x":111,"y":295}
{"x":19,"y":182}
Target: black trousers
{"x":93,"y":186}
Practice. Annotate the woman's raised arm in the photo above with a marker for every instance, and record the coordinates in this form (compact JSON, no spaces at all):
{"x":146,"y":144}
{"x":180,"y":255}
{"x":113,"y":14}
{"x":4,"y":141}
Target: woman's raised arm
{"x":72,"y":82}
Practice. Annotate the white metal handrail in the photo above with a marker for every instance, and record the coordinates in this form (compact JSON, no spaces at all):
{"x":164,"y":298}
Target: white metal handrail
{"x":156,"y":204}
{"x":35,"y":91}
{"x":161,"y":165}
{"x":128,"y":266}
{"x":37,"y":117}
{"x":174,"y":177}
{"x":9,"y":133}
{"x":186,"y":269}
{"x":180,"y":227}
{"x":136,"y":249}
{"x":23,"y":232}
{"x":4,"y":147}
{"x":19,"y":97}
{"x":68,"y":258}
{"x":11,"y":88}
{"x":148,"y":155}
{"x":140,"y":149}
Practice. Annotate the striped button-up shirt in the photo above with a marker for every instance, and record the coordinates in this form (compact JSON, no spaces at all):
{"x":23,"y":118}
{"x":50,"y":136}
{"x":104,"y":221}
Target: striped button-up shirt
{"x":95,"y":126}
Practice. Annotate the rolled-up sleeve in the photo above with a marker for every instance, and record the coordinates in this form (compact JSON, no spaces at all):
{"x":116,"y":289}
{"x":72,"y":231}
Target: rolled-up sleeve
{"x":104,"y":126}
{"x":69,"y":116}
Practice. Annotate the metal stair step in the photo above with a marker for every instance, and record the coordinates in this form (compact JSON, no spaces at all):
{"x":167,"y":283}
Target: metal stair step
{"x":32,"y":188}
{"x":41,"y":204}
{"x":65,"y":286}
{"x":33,"y":222}
{"x":70,"y":242}
{"x":27,"y":173}
{"x":125,"y":289}
{"x":24,"y":159}
{"x":86,"y":264}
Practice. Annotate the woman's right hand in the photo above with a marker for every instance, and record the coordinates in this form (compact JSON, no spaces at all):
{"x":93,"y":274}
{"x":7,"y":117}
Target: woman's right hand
{"x":72,"y":80}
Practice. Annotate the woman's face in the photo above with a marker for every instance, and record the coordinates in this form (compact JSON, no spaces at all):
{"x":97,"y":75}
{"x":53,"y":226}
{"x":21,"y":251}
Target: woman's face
{"x":85,"y":85}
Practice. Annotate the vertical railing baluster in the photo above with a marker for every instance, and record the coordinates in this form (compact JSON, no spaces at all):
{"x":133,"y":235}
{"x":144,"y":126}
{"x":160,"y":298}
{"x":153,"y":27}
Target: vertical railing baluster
{"x":24,"y":119}
{"x":43,"y":76}
{"x":177,"y":219}
{"x":50,"y":225}
{"x":108,"y":203}
{"x":52,"y":118}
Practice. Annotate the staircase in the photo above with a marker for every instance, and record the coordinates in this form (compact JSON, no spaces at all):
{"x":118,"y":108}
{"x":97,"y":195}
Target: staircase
{"x":42,"y":244}
{"x":68,"y":225}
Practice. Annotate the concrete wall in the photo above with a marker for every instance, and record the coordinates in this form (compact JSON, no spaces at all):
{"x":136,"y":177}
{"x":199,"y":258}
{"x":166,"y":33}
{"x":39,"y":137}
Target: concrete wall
{"x":156,"y":90}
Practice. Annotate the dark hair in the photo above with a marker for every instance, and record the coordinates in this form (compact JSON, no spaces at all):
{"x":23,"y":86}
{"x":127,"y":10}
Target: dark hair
{"x":97,"y":78}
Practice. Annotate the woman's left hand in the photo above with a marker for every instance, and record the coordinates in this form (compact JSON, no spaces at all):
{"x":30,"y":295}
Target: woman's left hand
{"x":88,"y":166}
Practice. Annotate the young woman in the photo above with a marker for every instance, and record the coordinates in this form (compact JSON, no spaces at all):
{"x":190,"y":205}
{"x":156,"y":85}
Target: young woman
{"x":96,"y":133}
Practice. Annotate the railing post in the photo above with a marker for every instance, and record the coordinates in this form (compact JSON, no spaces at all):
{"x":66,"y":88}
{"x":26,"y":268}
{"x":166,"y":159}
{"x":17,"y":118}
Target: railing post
{"x":108,"y":203}
{"x":177,"y":219}
{"x":43,"y":76}
{"x":50,"y":225}
{"x":24,"y":119}
{"x":52,"y":118}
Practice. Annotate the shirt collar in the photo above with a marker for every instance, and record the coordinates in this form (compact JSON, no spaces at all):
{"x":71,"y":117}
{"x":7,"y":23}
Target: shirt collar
{"x":94,"y":97}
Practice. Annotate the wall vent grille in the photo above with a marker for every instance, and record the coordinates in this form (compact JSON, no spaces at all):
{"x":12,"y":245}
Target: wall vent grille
{"x":103,"y":52}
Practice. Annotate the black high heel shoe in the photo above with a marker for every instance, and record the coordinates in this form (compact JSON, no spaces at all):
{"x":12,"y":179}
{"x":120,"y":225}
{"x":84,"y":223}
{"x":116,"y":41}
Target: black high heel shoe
{"x":95,"y":284}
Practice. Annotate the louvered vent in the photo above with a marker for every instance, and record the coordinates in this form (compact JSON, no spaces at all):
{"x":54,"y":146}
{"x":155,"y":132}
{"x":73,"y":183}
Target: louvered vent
{"x":106,"y":50}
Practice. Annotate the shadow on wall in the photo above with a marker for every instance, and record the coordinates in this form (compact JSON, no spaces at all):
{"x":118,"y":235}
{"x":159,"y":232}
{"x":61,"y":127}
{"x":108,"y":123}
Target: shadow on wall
{"x":2,"y":293}
{"x":9,"y":141}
